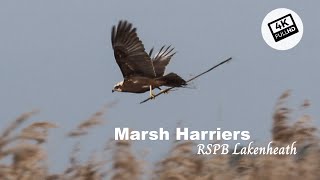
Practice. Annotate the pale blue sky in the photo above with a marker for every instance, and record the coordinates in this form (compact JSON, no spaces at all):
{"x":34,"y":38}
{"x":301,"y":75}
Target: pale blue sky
{"x":56,"y":56}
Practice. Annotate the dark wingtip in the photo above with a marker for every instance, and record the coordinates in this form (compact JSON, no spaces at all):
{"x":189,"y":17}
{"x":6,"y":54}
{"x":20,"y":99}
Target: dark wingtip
{"x":150,"y":53}
{"x":113,"y":34}
{"x":123,"y":27}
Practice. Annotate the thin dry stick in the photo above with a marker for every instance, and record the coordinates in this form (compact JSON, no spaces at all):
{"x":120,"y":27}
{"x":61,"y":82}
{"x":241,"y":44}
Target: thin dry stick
{"x":168,"y":89}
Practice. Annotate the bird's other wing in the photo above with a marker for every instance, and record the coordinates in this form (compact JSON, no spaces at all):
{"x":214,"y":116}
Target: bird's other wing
{"x":129,"y":51}
{"x":162,"y":59}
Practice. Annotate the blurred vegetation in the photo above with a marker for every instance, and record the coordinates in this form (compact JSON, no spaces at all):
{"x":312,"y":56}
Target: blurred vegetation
{"x":22,"y":155}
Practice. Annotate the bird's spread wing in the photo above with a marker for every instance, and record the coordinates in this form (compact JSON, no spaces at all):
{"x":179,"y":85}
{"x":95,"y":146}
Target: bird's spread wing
{"x":129,"y":51}
{"x":161,"y":59}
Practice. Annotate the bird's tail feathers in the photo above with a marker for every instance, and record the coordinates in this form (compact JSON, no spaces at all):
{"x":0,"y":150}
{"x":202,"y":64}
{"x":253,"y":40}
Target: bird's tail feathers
{"x":171,"y":80}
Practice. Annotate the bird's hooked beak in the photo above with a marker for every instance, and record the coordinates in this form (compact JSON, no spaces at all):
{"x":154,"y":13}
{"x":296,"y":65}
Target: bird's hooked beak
{"x":112,"y":90}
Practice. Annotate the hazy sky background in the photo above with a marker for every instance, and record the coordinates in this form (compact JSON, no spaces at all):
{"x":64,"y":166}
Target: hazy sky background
{"x":56,"y":56}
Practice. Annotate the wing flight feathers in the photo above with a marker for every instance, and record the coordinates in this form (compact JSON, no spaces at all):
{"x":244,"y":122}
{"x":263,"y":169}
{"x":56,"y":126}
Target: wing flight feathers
{"x":129,"y":51}
{"x":162,"y":59}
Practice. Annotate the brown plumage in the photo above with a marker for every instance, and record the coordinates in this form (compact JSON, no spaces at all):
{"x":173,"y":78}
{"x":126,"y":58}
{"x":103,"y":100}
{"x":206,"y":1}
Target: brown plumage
{"x":140,"y":71}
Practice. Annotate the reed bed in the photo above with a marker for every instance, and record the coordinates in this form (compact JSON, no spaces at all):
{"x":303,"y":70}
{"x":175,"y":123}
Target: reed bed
{"x":23,"y":156}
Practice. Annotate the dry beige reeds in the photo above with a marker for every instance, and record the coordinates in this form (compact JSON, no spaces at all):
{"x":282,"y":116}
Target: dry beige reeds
{"x":125,"y":165}
{"x":23,"y":157}
{"x":28,"y":158}
{"x":94,"y":120}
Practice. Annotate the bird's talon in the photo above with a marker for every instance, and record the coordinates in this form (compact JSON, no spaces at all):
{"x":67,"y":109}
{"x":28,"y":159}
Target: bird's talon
{"x":152,"y":96}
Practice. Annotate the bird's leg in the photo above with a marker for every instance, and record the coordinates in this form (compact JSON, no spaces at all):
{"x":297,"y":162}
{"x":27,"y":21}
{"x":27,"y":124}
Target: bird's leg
{"x":151,"y":93}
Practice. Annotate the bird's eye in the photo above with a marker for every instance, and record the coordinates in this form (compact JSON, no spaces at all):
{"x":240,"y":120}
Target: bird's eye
{"x":117,"y":87}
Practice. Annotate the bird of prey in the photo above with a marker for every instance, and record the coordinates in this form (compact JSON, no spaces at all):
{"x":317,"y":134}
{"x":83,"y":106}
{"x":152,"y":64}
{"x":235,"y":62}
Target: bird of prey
{"x":141,"y":71}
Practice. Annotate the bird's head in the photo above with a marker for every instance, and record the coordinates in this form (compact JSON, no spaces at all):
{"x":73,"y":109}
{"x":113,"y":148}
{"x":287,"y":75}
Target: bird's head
{"x":117,"y":87}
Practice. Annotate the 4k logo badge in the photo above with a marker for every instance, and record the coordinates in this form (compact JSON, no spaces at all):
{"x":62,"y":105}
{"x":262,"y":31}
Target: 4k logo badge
{"x":283,"y":27}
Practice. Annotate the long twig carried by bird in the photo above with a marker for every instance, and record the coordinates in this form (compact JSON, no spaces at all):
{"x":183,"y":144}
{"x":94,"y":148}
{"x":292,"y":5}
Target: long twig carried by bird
{"x":189,"y":80}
